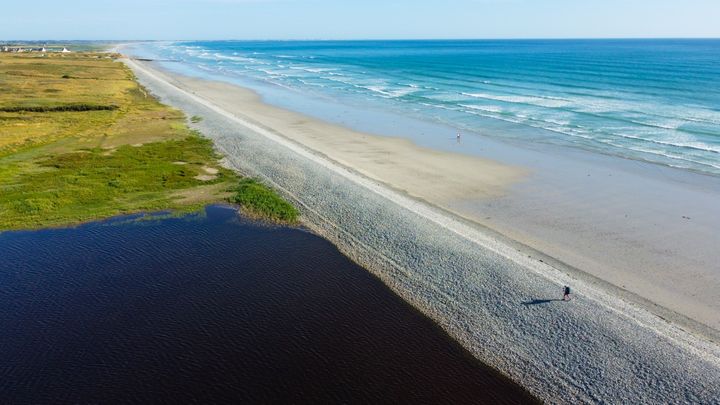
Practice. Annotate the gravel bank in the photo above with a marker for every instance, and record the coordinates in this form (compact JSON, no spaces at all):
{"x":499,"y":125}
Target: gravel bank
{"x":489,"y":295}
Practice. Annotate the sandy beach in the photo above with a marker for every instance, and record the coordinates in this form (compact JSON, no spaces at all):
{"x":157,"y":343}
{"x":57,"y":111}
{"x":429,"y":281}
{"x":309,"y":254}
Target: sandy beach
{"x":606,"y":219}
{"x":420,"y":172}
{"x":420,"y":218}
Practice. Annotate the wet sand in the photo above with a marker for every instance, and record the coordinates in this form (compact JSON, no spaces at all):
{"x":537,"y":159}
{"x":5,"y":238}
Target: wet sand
{"x":420,"y":172}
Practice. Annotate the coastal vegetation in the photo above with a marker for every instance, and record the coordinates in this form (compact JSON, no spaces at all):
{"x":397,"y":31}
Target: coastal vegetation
{"x":58,"y":108}
{"x":80,"y":139}
{"x":258,"y":200}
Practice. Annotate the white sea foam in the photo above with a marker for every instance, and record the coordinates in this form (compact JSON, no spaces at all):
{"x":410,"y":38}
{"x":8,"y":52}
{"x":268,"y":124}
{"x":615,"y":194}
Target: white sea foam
{"x":562,"y":123}
{"x":684,"y":142}
{"x":274,"y":73}
{"x":673,"y":156}
{"x":638,"y":118}
{"x":312,"y":70}
{"x":552,"y":102}
{"x":487,"y":108}
{"x":237,"y":58}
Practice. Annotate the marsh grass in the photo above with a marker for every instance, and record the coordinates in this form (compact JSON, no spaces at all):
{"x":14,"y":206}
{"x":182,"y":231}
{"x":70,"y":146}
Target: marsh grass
{"x":259,"y":200}
{"x":87,"y":184}
{"x":95,"y":144}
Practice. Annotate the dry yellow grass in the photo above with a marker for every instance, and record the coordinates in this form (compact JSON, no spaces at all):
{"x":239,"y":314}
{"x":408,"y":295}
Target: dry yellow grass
{"x":82,"y":79}
{"x":60,"y":166}
{"x":80,"y":139}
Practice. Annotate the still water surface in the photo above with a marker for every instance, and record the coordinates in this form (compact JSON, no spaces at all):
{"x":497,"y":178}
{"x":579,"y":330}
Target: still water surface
{"x":215,"y":308}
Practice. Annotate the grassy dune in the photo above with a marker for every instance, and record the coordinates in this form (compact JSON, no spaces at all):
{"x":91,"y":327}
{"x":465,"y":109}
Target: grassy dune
{"x":81,"y":140}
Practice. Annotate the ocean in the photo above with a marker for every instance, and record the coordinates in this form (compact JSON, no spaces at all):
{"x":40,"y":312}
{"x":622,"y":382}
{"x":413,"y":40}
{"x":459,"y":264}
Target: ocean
{"x":651,"y":100}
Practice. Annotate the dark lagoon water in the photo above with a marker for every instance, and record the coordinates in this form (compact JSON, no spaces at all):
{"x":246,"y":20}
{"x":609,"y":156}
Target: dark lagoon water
{"x":211,"y":309}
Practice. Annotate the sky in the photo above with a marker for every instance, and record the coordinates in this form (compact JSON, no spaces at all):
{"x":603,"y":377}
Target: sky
{"x":356,"y":19}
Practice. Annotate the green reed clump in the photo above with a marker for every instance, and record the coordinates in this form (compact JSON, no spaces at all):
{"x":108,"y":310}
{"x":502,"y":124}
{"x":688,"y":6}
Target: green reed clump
{"x":259,"y":200}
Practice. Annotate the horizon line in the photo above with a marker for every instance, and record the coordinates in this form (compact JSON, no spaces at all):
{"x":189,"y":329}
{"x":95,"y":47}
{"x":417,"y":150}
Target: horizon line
{"x":366,"y":39}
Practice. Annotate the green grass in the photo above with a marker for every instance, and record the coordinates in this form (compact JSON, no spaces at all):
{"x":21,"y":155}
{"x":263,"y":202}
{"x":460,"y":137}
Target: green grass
{"x":88,"y":184}
{"x":98,"y":145}
{"x":195,"y":119}
{"x":259,"y":200}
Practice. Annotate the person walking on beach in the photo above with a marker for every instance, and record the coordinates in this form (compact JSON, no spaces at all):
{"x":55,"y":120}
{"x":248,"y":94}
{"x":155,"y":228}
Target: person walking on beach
{"x":458,"y":137}
{"x":566,"y":296}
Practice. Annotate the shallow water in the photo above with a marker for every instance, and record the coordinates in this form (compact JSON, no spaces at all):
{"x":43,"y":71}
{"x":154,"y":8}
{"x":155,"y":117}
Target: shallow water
{"x":215,"y":308}
{"x":650,"y":100}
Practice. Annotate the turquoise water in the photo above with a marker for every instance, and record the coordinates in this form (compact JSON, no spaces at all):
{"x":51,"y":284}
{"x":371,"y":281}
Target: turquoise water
{"x":651,"y":100}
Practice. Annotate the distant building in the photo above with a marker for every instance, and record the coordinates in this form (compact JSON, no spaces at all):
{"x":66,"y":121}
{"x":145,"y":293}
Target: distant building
{"x":16,"y":49}
{"x":65,"y":50}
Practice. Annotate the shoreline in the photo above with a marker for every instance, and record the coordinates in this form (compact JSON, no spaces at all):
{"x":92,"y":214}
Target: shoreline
{"x":548,"y":208}
{"x":404,"y":276}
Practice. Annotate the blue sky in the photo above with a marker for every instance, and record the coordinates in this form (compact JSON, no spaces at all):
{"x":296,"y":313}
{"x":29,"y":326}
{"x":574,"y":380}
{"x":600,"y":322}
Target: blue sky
{"x":360,"y":19}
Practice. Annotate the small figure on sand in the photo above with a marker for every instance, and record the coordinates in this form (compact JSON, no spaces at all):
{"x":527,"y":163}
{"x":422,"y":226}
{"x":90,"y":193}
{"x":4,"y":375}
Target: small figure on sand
{"x":566,"y":296}
{"x":458,"y":137}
